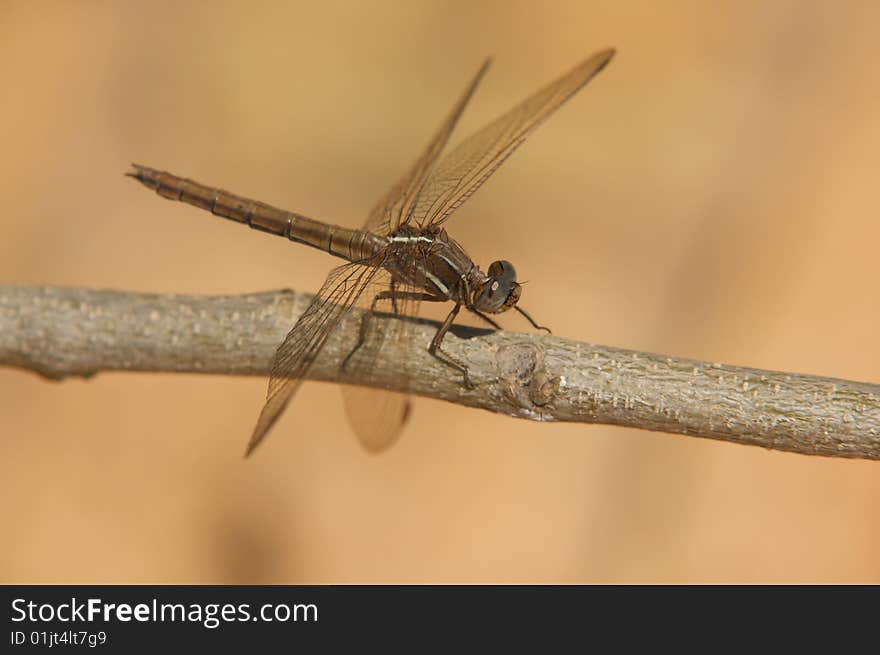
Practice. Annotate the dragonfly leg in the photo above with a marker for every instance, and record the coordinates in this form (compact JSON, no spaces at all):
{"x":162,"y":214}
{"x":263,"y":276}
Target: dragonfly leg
{"x":394,"y":307}
{"x":531,"y":320}
{"x":365,"y":323}
{"x":444,"y":357}
{"x":485,"y":318}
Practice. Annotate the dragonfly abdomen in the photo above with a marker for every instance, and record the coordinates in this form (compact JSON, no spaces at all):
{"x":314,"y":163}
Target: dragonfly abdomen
{"x":352,"y":245}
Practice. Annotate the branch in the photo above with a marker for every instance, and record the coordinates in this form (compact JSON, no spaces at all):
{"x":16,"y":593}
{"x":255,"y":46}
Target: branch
{"x":58,"y":332}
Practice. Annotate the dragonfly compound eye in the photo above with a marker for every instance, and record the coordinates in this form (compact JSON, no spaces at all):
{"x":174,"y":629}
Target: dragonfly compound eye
{"x":500,"y":292}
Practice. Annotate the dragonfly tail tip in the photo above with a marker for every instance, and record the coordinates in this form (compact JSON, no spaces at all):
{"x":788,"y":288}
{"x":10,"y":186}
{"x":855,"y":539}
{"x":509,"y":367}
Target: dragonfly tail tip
{"x":137,"y":172}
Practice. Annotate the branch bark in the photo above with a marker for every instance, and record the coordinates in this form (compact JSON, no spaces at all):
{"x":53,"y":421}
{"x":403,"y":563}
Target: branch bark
{"x":59,"y":332}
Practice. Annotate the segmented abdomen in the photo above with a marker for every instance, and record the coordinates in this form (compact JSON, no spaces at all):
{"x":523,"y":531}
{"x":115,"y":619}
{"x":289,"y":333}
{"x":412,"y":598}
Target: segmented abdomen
{"x":352,"y":245}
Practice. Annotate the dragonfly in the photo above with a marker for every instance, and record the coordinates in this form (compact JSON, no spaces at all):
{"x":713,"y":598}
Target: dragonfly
{"x":400,"y":258}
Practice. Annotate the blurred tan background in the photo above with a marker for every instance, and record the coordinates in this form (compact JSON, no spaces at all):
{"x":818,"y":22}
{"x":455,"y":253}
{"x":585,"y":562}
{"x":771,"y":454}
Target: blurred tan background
{"x":713,"y":194}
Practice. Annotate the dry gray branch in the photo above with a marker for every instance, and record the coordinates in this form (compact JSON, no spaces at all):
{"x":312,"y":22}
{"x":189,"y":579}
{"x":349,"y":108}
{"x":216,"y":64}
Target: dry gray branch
{"x":59,"y":332}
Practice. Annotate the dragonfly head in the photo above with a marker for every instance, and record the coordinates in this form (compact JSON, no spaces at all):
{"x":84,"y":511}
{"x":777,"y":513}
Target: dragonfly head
{"x":500,"y":292}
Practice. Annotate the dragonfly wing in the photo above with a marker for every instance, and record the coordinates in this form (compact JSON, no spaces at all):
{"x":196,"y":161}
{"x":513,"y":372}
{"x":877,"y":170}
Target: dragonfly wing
{"x":471,"y":163}
{"x":341,"y":290}
{"x":395,"y":206}
{"x":378,"y":415}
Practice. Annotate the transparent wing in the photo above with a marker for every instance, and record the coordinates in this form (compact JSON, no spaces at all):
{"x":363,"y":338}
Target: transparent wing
{"x":471,"y":163}
{"x":395,"y":206}
{"x":378,"y":415}
{"x":341,"y":290}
